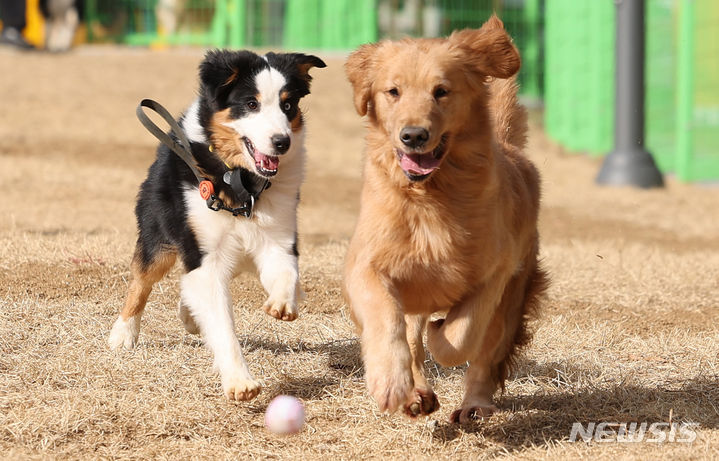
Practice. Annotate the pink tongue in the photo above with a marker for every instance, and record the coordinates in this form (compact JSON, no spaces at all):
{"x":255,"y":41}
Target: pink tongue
{"x":418,"y":164}
{"x":267,"y":162}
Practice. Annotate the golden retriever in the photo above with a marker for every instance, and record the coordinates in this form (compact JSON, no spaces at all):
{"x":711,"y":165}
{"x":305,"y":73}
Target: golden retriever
{"x":448,"y":217}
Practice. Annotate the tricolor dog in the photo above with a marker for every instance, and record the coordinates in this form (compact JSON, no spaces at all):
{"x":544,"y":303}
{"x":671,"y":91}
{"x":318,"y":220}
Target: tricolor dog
{"x":246,"y":134}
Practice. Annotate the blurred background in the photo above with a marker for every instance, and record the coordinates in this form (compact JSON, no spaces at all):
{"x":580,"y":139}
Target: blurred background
{"x":567,"y":48}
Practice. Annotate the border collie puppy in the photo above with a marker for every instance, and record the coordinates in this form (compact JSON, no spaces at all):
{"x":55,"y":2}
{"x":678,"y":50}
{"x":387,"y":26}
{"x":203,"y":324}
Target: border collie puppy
{"x":246,"y":124}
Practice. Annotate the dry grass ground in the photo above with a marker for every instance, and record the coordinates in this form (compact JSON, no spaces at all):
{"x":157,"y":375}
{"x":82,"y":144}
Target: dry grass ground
{"x":628,"y":333}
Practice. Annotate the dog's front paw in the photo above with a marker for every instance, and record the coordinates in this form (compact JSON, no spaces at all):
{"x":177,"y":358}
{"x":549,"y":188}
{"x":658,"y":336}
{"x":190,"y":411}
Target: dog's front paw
{"x":281,"y":310}
{"x":425,"y":402}
{"x":241,"y":389}
{"x":124,"y":333}
{"x":391,"y":389}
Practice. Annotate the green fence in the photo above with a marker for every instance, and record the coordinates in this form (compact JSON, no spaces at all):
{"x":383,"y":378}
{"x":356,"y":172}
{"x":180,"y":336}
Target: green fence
{"x":318,"y":24}
{"x":313,"y":24}
{"x":523,"y":19}
{"x":567,"y":49}
{"x":681,"y":80}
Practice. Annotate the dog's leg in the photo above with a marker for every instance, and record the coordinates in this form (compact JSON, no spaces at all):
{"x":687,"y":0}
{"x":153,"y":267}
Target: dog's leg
{"x":457,"y":338}
{"x":479,"y":388}
{"x":205,"y":291}
{"x":480,"y":380}
{"x":280,"y":277}
{"x":142,"y":277}
{"x":386,"y":354}
{"x":425,"y":401}
{"x":466,"y":335}
{"x":506,"y":332}
{"x":185,"y":316}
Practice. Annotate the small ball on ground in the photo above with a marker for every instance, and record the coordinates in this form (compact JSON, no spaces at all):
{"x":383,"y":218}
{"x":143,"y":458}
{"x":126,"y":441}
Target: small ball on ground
{"x":285,"y":415}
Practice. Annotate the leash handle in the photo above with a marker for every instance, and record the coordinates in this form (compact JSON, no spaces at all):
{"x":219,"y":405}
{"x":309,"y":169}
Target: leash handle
{"x":182,"y":149}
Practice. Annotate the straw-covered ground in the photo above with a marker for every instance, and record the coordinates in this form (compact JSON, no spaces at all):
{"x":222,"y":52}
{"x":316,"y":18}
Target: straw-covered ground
{"x":628,"y":332}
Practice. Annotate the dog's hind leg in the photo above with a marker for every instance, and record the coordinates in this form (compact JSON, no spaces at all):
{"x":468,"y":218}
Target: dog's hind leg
{"x":507,"y":333}
{"x":480,"y":380}
{"x":456,"y":339}
{"x":143,"y":275}
{"x":425,"y":400}
{"x":471,"y":332}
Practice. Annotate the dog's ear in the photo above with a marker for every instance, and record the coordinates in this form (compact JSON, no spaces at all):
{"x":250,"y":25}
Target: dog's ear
{"x":488,"y":50}
{"x":297,"y":65}
{"x":305,"y":62}
{"x":360,"y":72}
{"x":290,"y":62}
{"x":221,"y":68}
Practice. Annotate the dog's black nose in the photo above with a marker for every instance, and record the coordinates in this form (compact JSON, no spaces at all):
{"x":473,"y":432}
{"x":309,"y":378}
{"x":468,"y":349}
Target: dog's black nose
{"x":413,"y":136}
{"x":281,"y":143}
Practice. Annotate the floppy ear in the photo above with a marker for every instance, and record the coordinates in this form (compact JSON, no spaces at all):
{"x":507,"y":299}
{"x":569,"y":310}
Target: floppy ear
{"x":360,"y":72}
{"x":297,"y":65}
{"x":222,"y":67}
{"x":489,"y":49}
{"x":215,"y":68}
{"x":305,"y":62}
{"x":297,"y":61}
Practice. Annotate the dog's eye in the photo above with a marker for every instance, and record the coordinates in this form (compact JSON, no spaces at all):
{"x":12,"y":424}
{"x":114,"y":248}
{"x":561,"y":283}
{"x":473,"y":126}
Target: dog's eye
{"x":287,"y":106}
{"x":440,"y":92}
{"x":393,"y":92}
{"x":253,"y":104}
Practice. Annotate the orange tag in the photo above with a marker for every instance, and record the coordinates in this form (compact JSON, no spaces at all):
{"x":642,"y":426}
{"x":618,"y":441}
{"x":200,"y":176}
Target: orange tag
{"x":206,"y":189}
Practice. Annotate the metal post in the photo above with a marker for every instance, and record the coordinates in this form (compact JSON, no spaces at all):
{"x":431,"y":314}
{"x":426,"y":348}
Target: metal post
{"x":629,"y":164}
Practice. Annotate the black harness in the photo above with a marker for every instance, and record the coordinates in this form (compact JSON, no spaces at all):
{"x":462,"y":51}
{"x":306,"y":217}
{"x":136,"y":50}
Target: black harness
{"x":246,"y":185}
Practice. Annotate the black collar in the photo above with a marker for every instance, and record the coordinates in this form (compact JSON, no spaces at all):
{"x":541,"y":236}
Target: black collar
{"x":241,"y":185}
{"x":245,"y":188}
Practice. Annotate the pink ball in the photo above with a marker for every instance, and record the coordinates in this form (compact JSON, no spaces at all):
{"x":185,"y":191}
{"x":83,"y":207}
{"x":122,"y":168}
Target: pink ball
{"x":285,"y":415}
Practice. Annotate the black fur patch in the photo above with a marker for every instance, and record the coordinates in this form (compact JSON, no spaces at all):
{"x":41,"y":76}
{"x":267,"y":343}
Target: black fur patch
{"x":226,"y":80}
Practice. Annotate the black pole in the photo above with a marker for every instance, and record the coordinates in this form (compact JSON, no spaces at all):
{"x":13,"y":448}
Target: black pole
{"x":629,"y":164}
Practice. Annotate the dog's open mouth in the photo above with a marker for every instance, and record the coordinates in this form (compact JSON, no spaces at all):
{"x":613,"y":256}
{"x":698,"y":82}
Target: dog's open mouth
{"x":266,"y":165}
{"x":418,"y":166}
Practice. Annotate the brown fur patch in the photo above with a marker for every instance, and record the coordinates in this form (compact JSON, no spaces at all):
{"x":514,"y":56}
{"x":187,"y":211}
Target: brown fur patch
{"x":464,"y":241}
{"x":297,"y":122}
{"x":143,"y":277}
{"x":488,"y":50}
{"x":228,"y":144}
{"x":232,"y":77}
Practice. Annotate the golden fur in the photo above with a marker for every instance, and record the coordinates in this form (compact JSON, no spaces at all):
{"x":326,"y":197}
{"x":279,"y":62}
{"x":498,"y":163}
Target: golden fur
{"x":463,"y":241}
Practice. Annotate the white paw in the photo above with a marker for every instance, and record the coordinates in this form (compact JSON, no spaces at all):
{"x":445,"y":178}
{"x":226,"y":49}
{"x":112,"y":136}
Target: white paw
{"x":183,"y":313}
{"x":241,"y":389}
{"x":281,"y":310}
{"x":124,"y":333}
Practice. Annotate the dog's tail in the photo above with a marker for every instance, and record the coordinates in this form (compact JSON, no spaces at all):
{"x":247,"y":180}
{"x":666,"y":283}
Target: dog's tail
{"x":509,"y":117}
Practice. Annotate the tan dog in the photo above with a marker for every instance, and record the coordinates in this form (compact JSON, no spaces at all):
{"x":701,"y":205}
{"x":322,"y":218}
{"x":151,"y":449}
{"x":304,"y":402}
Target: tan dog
{"x":448,"y":219}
